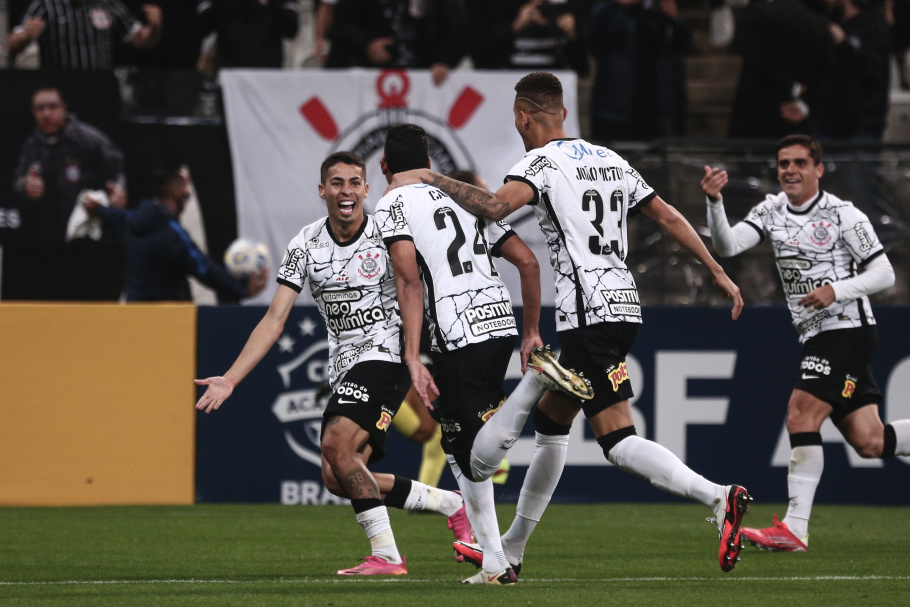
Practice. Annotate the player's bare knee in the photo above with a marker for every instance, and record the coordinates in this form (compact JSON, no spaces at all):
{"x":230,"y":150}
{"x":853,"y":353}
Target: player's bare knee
{"x":424,"y":433}
{"x":871,"y":448}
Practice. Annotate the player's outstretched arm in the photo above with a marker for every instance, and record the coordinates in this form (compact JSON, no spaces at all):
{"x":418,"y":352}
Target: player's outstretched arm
{"x":263,"y":337}
{"x":675,"y":225}
{"x":516,"y":252}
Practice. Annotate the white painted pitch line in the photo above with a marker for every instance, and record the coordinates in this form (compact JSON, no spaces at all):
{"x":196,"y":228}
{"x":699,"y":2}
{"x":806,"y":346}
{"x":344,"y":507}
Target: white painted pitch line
{"x":373,"y":580}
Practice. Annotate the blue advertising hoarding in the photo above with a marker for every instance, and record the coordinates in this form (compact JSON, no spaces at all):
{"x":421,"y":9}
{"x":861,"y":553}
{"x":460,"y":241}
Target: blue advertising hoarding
{"x":711,"y":390}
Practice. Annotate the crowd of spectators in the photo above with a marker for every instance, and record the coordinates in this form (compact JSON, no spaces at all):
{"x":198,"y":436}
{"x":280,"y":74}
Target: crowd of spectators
{"x":632,"y":52}
{"x":816,"y":66}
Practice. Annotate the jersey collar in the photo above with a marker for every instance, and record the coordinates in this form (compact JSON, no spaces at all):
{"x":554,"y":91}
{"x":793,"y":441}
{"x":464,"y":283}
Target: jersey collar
{"x":803,"y":209}
{"x":354,"y":238}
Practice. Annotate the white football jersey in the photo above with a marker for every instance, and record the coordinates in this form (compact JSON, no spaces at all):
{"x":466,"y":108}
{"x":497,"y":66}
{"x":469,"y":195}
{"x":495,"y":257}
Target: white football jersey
{"x":583,"y":194}
{"x":814,"y":246}
{"x":354,"y":288}
{"x":465,"y":301}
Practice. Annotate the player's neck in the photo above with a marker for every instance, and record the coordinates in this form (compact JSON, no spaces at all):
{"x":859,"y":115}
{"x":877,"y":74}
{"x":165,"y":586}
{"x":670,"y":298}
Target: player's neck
{"x":542,"y":137}
{"x":345,"y":231}
{"x":804,"y":201}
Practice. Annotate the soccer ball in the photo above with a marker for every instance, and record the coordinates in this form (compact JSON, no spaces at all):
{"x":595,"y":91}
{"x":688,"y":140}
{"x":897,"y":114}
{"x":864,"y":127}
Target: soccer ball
{"x":245,"y":256}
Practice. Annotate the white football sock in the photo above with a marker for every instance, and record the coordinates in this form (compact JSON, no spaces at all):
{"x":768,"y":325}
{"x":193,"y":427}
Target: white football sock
{"x":664,"y":470}
{"x":902,"y":434}
{"x":478,"y":500}
{"x":375,"y":523}
{"x":806,"y":465}
{"x":424,"y":497}
{"x":540,"y":482}
{"x":498,"y":435}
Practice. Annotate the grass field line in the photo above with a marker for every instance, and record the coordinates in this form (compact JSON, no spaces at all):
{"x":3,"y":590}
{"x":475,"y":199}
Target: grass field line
{"x":374,"y":580}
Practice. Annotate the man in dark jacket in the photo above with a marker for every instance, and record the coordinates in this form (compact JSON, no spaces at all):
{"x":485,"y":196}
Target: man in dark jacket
{"x":856,"y":106}
{"x":787,"y":53}
{"x":159,"y":254}
{"x":60,"y":159}
{"x":399,"y":33}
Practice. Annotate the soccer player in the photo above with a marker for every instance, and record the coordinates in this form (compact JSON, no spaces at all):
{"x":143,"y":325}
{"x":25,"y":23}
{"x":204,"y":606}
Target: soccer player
{"x":443,"y":255}
{"x":349,"y":274}
{"x":830,"y":261}
{"x":582,"y":195}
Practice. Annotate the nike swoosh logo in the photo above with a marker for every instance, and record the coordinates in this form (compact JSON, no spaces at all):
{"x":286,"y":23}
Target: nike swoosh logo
{"x":810,"y":376}
{"x":351,"y":402}
{"x":450,"y":439}
{"x":490,"y":578}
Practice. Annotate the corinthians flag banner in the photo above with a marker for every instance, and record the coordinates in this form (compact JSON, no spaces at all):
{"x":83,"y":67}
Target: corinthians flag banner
{"x":282,"y":124}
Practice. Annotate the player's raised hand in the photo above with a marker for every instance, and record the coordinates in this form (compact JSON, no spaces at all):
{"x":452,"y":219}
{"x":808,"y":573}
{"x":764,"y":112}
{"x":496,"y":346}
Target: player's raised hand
{"x":729,"y":289}
{"x":713,"y":182}
{"x":218,"y":391}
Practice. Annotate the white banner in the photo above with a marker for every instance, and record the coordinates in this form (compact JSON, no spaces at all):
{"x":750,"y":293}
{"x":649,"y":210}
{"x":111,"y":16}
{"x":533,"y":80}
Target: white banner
{"x":283,"y":123}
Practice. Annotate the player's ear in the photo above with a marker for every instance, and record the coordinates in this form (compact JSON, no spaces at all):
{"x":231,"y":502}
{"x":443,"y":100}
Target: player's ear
{"x":322,"y":191}
{"x":820,"y":169}
{"x":383,"y":166}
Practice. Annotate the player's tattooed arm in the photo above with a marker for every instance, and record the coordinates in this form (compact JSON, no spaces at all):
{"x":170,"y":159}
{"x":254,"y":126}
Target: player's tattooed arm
{"x":471,"y":198}
{"x":478,"y":201}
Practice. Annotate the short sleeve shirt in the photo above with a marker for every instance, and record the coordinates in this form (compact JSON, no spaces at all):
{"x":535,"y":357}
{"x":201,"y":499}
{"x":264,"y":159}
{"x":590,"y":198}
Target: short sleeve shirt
{"x":583,"y":195}
{"x":81,"y":36}
{"x":465,"y":301}
{"x":354,"y":288}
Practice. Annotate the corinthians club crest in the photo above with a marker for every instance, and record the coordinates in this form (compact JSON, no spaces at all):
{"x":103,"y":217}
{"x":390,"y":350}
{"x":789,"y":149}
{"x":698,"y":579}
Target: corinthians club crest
{"x":365,"y":136}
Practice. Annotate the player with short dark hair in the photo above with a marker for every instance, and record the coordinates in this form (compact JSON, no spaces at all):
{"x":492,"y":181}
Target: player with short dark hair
{"x":347,"y":267}
{"x":830,"y":260}
{"x":583,"y":195}
{"x":443,"y":259}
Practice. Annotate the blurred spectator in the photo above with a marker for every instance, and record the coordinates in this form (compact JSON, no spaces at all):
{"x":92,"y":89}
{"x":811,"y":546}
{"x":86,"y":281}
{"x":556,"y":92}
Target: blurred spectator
{"x":856,"y":105}
{"x":82,"y":34}
{"x":639,"y":85}
{"x":61,"y":159}
{"x":399,"y":33}
{"x":528,"y":34}
{"x":898,"y":14}
{"x":250,"y":32}
{"x":324,"y":15}
{"x":181,"y":37}
{"x":159,"y":254}
{"x":787,"y":52}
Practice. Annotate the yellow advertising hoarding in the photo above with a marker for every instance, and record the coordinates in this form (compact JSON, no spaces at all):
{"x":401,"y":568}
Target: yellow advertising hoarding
{"x":96,"y":404}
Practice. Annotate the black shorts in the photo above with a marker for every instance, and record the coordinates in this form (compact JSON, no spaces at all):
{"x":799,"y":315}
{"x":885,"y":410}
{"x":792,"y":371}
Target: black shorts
{"x":470,"y":391}
{"x":835,"y":369}
{"x":370,"y":394}
{"x":599,"y":351}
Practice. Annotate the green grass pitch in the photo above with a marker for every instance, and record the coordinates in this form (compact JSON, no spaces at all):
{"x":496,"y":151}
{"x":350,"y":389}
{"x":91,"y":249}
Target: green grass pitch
{"x":592,"y":554}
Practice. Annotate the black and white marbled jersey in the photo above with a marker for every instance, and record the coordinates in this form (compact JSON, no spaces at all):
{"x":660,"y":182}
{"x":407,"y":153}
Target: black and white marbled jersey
{"x":814,"y":246}
{"x":583,"y":194}
{"x":465,"y":301}
{"x":354,"y":288}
